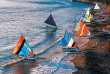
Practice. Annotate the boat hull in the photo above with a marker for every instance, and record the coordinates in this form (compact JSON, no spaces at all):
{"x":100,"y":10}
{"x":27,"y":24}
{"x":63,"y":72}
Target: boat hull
{"x":68,"y":49}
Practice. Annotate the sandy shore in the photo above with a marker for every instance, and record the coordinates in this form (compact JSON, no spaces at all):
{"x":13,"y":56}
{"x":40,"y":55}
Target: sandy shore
{"x":97,"y":58}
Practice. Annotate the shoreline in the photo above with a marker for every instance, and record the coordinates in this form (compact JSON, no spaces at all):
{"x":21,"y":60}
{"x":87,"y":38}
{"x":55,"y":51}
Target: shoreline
{"x":88,"y":2}
{"x":96,"y":59}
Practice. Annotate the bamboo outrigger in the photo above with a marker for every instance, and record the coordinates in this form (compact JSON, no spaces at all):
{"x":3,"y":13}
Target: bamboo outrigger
{"x":14,"y":61}
{"x":23,"y":58}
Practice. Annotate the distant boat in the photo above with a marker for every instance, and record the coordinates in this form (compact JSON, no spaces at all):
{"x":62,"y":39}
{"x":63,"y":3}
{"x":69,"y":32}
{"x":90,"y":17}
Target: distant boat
{"x":96,"y":7}
{"x":83,"y":30}
{"x":88,"y":12}
{"x":50,"y":21}
{"x":68,"y":42}
{"x":22,"y":48}
{"x":87,"y":16}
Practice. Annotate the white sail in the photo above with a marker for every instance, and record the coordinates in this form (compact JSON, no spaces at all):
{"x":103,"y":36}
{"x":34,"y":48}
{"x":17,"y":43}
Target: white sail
{"x":87,"y":12}
{"x":96,"y":6}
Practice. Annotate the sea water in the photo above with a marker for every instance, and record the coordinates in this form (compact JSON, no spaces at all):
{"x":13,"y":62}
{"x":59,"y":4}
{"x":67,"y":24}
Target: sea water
{"x":27,"y":17}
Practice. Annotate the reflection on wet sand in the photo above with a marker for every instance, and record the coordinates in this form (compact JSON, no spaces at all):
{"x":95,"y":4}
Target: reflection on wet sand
{"x":24,"y":67}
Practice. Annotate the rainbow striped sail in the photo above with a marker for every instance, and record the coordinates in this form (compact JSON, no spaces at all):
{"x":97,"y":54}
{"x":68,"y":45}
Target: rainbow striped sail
{"x":67,"y":41}
{"x":22,"y":48}
{"x":50,"y":21}
{"x":83,"y":30}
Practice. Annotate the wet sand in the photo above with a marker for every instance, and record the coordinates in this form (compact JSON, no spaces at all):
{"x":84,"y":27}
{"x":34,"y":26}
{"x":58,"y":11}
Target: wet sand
{"x":97,"y":58}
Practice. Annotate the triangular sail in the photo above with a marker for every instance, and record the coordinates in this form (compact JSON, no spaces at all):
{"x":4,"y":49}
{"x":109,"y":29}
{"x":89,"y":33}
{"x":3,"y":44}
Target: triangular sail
{"x":67,"y":41}
{"x":88,"y":12}
{"x":87,"y":16}
{"x":22,"y":48}
{"x":77,"y":26}
{"x":96,"y":7}
{"x":50,"y":21}
{"x":83,"y":31}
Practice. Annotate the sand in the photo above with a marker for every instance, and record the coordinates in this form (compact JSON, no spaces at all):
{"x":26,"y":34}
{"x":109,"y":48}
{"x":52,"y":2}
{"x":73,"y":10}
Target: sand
{"x":97,"y":58}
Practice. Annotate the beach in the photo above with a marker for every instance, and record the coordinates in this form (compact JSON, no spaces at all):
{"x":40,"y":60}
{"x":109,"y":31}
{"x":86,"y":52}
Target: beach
{"x":96,"y":59}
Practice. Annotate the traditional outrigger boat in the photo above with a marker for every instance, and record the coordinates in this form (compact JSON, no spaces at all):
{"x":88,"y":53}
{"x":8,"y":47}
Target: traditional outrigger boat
{"x":83,"y":31}
{"x":22,"y":50}
{"x":51,"y":25}
{"x":50,"y":21}
{"x":88,"y":16}
{"x":97,"y":7}
{"x":68,"y":43}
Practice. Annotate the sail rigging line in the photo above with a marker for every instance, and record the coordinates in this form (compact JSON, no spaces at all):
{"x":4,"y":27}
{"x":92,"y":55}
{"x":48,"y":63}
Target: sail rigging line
{"x":14,"y":61}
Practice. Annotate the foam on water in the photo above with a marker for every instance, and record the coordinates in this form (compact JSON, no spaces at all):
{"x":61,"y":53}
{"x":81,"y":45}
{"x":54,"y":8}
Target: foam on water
{"x":7,"y":47}
{"x":43,"y":69}
{"x":56,"y":61}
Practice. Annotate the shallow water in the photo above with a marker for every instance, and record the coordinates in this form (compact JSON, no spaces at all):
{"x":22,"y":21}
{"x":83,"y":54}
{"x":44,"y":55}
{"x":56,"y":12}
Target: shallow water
{"x":27,"y":17}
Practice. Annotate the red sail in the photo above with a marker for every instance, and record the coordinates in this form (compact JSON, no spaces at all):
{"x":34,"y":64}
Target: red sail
{"x":18,"y":46}
{"x":83,"y":30}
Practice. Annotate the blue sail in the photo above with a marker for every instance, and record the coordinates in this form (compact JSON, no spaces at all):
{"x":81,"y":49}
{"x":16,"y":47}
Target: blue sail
{"x":50,"y":21}
{"x":67,"y":41}
{"x":25,"y":50}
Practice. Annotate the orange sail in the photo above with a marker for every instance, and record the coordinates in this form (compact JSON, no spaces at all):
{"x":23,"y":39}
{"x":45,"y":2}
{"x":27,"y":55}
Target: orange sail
{"x":18,"y":46}
{"x":83,"y":30}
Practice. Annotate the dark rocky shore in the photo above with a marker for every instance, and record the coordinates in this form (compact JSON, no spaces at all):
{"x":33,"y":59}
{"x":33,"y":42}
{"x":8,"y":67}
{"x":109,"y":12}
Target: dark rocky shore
{"x":97,"y":58}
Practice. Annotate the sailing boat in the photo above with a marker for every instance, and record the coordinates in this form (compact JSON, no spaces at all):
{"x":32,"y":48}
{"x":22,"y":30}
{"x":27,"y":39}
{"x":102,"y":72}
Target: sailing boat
{"x":22,"y":48}
{"x":97,"y":7}
{"x":83,"y":30}
{"x":88,"y":16}
{"x":23,"y":51}
{"x":50,"y":21}
{"x":68,"y":42}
